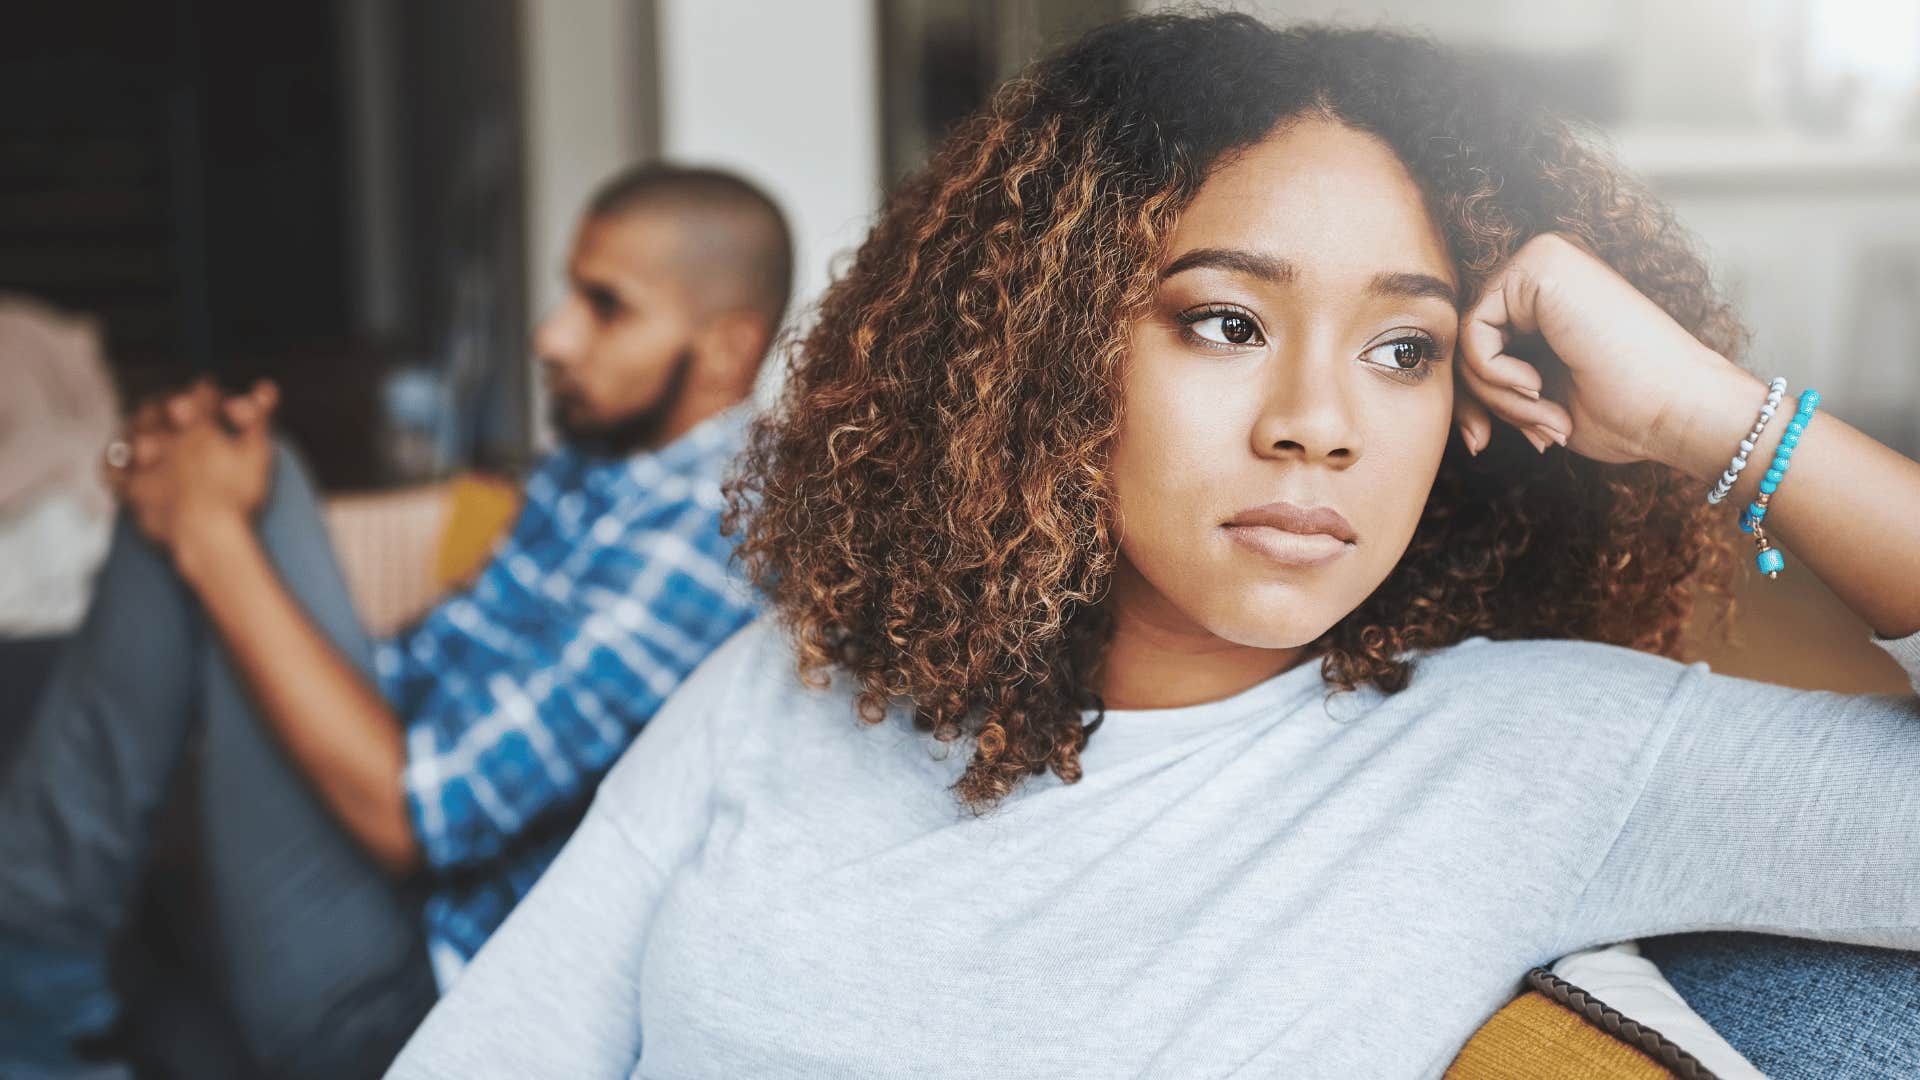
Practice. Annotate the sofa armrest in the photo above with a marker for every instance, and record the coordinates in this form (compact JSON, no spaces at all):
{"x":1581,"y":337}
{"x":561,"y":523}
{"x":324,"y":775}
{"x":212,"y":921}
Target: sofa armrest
{"x":401,"y":551}
{"x":388,"y":547}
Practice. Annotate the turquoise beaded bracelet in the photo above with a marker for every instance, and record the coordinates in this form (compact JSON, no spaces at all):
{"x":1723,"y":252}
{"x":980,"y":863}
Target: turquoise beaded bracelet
{"x":1768,"y":558}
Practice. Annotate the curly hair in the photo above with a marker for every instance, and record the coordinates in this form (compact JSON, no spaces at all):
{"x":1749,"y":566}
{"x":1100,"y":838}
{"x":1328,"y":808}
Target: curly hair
{"x":929,"y":509}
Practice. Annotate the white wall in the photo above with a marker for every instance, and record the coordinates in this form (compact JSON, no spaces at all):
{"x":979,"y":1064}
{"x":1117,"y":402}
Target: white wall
{"x":1703,"y":92}
{"x":581,"y":121}
{"x":1681,"y":61}
{"x":787,"y":95}
{"x":1544,"y":24}
{"x":582,"y":117}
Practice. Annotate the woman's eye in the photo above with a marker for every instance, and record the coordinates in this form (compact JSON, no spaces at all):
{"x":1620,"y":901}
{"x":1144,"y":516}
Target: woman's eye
{"x":1404,"y":354}
{"x":1227,"y":329}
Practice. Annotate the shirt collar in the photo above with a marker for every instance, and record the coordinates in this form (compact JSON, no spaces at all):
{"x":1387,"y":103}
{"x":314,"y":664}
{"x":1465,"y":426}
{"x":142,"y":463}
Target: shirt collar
{"x":718,"y":436}
{"x":702,"y":448}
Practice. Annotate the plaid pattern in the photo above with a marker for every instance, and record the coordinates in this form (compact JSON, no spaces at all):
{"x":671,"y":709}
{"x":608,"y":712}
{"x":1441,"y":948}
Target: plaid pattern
{"x":519,"y":693}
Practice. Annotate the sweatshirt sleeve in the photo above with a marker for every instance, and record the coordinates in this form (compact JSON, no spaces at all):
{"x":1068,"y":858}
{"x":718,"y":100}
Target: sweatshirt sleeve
{"x":557,"y":990}
{"x":1905,"y":652}
{"x":1771,"y":809}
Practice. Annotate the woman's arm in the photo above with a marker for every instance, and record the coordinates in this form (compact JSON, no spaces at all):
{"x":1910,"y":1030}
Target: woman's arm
{"x":1848,"y":510}
{"x":1638,"y":387}
{"x":556,"y":991}
{"x":1768,"y":808}
{"x":1760,"y":807}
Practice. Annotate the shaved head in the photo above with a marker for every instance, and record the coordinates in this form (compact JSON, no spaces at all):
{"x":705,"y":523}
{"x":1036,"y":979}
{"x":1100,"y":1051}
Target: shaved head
{"x":676,"y":286}
{"x":731,"y":245}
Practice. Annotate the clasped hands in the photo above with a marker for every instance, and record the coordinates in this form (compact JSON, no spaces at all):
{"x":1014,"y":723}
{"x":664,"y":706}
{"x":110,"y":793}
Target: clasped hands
{"x":194,"y":459}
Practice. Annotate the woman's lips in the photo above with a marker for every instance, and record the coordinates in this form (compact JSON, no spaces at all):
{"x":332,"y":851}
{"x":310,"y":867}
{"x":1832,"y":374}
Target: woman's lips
{"x":1285,"y":546}
{"x":1290,"y":534}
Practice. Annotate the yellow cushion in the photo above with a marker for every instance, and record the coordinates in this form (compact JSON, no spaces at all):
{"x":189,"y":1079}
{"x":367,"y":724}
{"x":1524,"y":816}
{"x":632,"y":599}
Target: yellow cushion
{"x":1537,"y":1038}
{"x":480,"y":509}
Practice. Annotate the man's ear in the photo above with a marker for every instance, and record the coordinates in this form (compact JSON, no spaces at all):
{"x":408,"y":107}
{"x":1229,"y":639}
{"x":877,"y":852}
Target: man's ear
{"x":733,"y":344}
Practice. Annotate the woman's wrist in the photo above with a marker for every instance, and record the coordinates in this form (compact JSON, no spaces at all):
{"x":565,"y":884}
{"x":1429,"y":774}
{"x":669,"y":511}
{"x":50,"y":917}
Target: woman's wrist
{"x":1708,"y":425}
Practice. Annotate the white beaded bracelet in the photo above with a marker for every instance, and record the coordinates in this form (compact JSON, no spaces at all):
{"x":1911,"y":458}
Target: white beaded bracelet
{"x":1775,"y":391}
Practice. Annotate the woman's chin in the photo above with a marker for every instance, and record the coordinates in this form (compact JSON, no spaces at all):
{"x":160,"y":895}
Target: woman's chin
{"x":1261,"y":629}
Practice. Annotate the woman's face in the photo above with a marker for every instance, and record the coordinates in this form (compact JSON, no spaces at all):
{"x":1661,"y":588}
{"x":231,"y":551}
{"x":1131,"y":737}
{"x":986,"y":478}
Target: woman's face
{"x":1298,"y":351}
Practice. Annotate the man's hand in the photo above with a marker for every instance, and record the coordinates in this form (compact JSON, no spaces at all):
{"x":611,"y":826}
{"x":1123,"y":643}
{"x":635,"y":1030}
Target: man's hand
{"x":197,"y":461}
{"x":196,"y":468}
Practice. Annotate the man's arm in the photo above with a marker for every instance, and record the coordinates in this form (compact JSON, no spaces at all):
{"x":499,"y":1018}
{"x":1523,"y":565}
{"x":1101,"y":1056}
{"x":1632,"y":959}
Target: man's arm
{"x":337,"y":728}
{"x":202,"y":468}
{"x":553,"y":690}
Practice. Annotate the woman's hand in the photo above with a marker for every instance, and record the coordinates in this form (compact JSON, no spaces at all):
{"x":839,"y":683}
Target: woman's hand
{"x":1632,"y":374}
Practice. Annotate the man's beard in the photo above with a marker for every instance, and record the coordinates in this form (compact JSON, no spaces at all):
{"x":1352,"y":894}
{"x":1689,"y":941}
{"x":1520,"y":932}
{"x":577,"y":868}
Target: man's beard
{"x":639,"y":430}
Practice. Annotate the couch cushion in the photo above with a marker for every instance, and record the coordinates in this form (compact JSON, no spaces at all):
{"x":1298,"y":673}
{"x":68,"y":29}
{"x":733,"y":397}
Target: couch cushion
{"x":1630,"y":983}
{"x":1557,"y":1030}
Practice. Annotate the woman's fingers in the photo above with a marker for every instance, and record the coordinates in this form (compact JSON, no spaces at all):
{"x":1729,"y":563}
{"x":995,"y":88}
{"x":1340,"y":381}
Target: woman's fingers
{"x":1516,"y":408}
{"x":1476,"y":423}
{"x":1503,"y":312}
{"x":1506,"y":385}
{"x":1473,"y":421}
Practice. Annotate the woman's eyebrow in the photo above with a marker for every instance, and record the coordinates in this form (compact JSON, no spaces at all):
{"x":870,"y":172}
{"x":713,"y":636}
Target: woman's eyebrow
{"x":1414,"y":286}
{"x":1279,"y":270}
{"x":1271,"y":268}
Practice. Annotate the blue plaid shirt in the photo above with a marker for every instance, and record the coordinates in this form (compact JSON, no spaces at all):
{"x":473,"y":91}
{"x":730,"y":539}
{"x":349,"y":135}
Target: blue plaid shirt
{"x":519,"y":693}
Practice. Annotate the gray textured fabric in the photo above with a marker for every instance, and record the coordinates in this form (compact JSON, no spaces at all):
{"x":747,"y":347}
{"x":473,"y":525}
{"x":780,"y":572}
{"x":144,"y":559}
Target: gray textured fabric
{"x":1270,"y":885}
{"x":318,"y":957}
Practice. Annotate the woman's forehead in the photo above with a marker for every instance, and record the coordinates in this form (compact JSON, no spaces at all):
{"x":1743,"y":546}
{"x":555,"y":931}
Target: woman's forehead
{"x":1333,"y":200}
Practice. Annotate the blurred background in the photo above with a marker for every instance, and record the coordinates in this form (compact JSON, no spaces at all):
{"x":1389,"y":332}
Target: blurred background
{"x":370,"y":200}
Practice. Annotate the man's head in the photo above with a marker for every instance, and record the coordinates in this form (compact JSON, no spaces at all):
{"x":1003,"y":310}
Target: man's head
{"x":677,"y":283}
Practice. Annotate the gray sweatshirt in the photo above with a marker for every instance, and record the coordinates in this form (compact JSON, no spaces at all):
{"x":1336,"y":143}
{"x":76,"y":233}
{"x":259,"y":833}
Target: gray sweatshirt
{"x":1275,"y":884}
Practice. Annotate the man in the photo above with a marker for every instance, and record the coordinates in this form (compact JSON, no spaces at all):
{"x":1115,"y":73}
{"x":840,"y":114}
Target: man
{"x":370,"y":812}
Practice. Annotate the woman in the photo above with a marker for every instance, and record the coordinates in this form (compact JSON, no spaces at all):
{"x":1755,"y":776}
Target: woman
{"x":1241,"y":697}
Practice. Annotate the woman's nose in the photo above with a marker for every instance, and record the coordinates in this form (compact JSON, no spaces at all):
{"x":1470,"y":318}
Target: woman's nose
{"x":1308,"y":412}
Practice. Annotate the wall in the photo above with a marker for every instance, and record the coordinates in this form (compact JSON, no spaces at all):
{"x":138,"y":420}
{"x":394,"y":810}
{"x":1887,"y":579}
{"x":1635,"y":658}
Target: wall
{"x":787,"y":94}
{"x":582,"y":65}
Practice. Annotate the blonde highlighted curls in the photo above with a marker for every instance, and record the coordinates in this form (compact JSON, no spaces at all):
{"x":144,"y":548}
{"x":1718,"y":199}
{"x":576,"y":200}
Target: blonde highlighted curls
{"x":930,"y":507}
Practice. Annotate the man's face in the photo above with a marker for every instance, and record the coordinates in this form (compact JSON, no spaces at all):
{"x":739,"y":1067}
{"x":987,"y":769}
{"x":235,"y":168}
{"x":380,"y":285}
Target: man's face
{"x":618,"y":350}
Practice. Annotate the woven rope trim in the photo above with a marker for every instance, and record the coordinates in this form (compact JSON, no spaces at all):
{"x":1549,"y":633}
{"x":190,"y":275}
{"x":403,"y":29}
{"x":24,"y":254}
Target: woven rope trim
{"x":1617,"y":1024}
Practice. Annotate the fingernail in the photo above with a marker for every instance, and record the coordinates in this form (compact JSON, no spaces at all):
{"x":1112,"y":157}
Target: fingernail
{"x":1539,"y":441}
{"x":1552,"y":434}
{"x":1529,"y":391}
